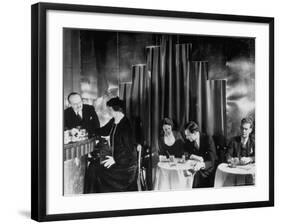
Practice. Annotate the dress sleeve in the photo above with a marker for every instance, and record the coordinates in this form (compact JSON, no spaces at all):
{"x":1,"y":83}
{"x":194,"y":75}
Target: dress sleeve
{"x":95,"y":123}
{"x":105,"y":130}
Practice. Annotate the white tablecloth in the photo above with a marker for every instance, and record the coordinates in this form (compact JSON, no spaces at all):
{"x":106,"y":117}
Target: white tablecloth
{"x":174,"y":176}
{"x":238,"y":176}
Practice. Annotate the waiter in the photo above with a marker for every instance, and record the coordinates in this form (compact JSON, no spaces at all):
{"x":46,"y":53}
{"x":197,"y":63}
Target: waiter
{"x":80,"y":115}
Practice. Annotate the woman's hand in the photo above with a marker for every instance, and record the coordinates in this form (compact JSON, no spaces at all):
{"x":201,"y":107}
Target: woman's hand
{"x":108,"y":162}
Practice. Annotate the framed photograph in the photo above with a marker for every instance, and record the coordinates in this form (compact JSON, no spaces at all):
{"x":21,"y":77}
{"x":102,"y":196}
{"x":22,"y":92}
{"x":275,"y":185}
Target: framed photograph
{"x":139,"y":111}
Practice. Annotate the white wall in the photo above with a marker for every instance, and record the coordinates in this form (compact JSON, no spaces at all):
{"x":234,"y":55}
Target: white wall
{"x":15,"y":109}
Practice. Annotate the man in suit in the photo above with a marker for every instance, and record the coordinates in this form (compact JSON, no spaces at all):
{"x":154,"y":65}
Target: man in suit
{"x":80,"y":115}
{"x":201,"y":148}
{"x":242,"y":147}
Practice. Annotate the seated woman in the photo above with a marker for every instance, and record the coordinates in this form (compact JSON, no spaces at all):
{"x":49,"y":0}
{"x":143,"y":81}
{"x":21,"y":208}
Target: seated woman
{"x":170,"y":142}
{"x":118,"y":170}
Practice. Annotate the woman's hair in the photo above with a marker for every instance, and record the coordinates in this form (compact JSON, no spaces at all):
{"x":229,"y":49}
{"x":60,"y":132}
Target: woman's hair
{"x":167,"y":121}
{"x":191,"y":126}
{"x":116,"y":103}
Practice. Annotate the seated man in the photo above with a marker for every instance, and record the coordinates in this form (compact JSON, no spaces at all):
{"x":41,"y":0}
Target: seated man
{"x":242,"y":148}
{"x":201,"y":148}
{"x":80,"y":115}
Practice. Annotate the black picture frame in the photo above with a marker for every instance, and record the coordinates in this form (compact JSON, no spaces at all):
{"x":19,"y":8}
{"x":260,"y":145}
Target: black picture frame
{"x":39,"y":123}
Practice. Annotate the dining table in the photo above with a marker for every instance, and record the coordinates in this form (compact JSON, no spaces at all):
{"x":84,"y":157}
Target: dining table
{"x":174,"y":175}
{"x":238,"y":175}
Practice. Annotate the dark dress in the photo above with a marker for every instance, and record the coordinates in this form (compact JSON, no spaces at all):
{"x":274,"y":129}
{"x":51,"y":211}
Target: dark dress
{"x":122,"y":176}
{"x":206,"y":150}
{"x":89,"y":120}
{"x":236,"y":149}
{"x":176,"y":149}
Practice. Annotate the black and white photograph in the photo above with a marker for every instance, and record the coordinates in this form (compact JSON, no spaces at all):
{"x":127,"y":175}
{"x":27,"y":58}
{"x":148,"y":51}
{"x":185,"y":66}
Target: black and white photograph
{"x":150,"y":111}
{"x":141,"y":112}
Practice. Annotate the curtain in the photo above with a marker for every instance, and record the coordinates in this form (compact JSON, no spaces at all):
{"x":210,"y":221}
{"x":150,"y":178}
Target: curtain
{"x":199,"y":104}
{"x":125,"y":94}
{"x":153,"y":71}
{"x":218,"y":90}
{"x":218,"y":120}
{"x":182,"y":87}
{"x":174,"y":79}
{"x":207,"y":100}
{"x":138,"y":109}
{"x":167,"y":72}
{"x":155,"y":89}
{"x":171,"y":85}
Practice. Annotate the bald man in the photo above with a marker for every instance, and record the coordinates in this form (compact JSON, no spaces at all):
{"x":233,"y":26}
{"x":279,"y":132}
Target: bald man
{"x":79,"y":114}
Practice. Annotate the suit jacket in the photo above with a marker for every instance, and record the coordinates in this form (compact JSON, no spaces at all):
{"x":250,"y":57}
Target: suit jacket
{"x":206,"y":150}
{"x":90,"y":120}
{"x":235,"y":148}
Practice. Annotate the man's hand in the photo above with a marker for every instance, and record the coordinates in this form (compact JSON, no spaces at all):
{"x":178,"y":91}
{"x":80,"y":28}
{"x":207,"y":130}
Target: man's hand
{"x":199,"y":166}
{"x":197,"y":158}
{"x":245,"y":160}
{"x":108,"y":162}
{"x":233,"y":160}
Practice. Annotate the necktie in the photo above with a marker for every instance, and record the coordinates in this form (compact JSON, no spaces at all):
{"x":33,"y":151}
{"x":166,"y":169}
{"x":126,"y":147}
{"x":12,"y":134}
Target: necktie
{"x":79,"y":116}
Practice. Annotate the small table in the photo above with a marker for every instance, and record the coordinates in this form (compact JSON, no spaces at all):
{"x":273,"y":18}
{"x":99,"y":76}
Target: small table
{"x":241,"y":175}
{"x":174,"y":175}
{"x":75,"y":164}
{"x":78,"y":149}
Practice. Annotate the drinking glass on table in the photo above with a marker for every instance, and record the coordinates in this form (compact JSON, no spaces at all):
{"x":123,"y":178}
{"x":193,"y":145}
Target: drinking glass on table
{"x":172,"y":158}
{"x":186,"y":156}
{"x":233,"y":162}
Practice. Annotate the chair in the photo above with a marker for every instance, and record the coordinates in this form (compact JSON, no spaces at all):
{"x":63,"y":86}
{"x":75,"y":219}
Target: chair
{"x":141,"y":174}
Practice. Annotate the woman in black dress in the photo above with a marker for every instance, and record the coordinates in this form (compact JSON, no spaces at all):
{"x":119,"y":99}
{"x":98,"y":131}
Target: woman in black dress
{"x":171,"y":141}
{"x":118,"y":170}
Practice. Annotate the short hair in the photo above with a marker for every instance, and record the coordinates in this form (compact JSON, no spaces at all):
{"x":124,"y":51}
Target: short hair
{"x":116,"y":103}
{"x":247,"y":120}
{"x":72,"y":94}
{"x":192,"y":127}
{"x":167,"y":121}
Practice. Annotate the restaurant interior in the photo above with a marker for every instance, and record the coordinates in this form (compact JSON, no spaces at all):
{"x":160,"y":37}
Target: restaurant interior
{"x":206,"y":79}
